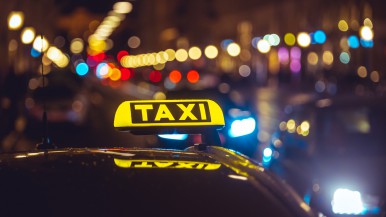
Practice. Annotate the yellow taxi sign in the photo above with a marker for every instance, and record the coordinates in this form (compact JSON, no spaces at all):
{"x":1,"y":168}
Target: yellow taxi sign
{"x":141,"y":114}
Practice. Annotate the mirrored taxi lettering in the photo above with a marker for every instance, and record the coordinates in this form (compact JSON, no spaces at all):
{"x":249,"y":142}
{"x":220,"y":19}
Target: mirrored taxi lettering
{"x":124,"y":163}
{"x":161,"y":112}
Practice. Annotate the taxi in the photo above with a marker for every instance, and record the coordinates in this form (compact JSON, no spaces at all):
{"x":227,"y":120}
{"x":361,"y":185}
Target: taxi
{"x":204,"y":179}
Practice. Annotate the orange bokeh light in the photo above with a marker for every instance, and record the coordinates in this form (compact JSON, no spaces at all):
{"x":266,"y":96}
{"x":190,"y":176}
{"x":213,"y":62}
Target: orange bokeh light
{"x":193,"y":76}
{"x":175,"y":76}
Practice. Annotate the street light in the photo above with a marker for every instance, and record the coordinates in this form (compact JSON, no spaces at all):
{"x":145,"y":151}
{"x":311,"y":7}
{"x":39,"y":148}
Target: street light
{"x":15,"y":20}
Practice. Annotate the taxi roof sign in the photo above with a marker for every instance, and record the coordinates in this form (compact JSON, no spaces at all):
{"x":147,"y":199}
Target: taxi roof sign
{"x":160,"y":115}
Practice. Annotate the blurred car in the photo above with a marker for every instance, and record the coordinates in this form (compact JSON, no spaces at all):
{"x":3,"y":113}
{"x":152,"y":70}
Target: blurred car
{"x":333,"y":152}
{"x":63,"y":98}
{"x":201,"y":180}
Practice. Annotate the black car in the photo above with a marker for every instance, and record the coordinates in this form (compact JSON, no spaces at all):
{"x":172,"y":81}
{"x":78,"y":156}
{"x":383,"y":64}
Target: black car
{"x":332,"y":151}
{"x":201,"y":180}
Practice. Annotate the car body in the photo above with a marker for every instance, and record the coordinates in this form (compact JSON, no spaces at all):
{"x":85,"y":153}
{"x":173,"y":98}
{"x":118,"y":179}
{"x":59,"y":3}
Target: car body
{"x":142,"y":182}
{"x":201,"y":180}
{"x":332,"y":150}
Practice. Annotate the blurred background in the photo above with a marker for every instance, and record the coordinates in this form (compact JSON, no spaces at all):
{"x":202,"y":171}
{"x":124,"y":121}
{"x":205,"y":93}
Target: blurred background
{"x":252,"y":56}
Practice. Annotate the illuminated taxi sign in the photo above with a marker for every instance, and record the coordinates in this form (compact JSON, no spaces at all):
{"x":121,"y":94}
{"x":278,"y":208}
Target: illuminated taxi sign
{"x":165,"y":164}
{"x":168,"y":113}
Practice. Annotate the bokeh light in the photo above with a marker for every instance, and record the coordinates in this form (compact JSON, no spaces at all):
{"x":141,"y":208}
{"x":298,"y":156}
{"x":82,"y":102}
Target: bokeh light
{"x":366,"y":33}
{"x":193,"y":76}
{"x":319,"y":37}
{"x":304,"y":39}
{"x":171,"y":54}
{"x":211,"y":52}
{"x":77,"y":45}
{"x":181,"y":55}
{"x":40,"y":44}
{"x":312,"y":58}
{"x":82,"y":69}
{"x":15,"y":20}
{"x":289,"y":39}
{"x":344,"y":57}
{"x":353,"y":41}
{"x":115,"y":74}
{"x":175,"y":76}
{"x":28,"y":35}
{"x":233,"y":49}
{"x":263,"y":46}
{"x":155,"y":76}
{"x":342,"y":25}
{"x":194,"y":53}
{"x":367,"y":22}
{"x":122,"y":7}
{"x":362,"y":72}
{"x":134,"y":42}
{"x":328,"y":58}
{"x":244,"y":70}
{"x":126,"y":74}
{"x":374,"y":76}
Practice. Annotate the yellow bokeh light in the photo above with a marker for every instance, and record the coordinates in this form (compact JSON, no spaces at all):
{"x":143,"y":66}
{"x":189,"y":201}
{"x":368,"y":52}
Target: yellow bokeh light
{"x":367,"y":22}
{"x":312,"y":58}
{"x":328,"y":57}
{"x":291,"y":125}
{"x":343,"y":26}
{"x":15,"y":20}
{"x":211,"y":52}
{"x":304,"y":39}
{"x":159,"y":96}
{"x":366,"y":33}
{"x":77,"y":45}
{"x":159,"y":67}
{"x":263,"y":46}
{"x":305,"y":126}
{"x":161,"y":57}
{"x":40,"y":44}
{"x":28,"y":35}
{"x":171,"y":54}
{"x":289,"y":39}
{"x":195,"y":53}
{"x":233,"y":49}
{"x":123,"y":7}
{"x":362,"y":72}
{"x":54,"y":54}
{"x":181,"y":55}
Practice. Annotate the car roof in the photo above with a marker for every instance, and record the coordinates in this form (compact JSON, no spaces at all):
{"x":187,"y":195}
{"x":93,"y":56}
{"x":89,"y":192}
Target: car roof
{"x":218,"y":169}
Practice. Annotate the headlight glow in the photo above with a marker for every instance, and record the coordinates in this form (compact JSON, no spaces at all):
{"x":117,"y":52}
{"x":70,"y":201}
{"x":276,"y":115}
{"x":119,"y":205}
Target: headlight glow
{"x":242,"y":127}
{"x":346,"y":201}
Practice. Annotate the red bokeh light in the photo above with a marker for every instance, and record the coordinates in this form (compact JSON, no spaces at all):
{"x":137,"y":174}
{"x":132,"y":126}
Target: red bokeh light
{"x":126,"y":74}
{"x":155,"y":76}
{"x":121,"y":54}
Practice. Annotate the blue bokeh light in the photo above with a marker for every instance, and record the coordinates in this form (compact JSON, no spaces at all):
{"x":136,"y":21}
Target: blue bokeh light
{"x":82,"y":69}
{"x":367,"y":44}
{"x":35,"y":53}
{"x":319,"y":37}
{"x":353,"y":41}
